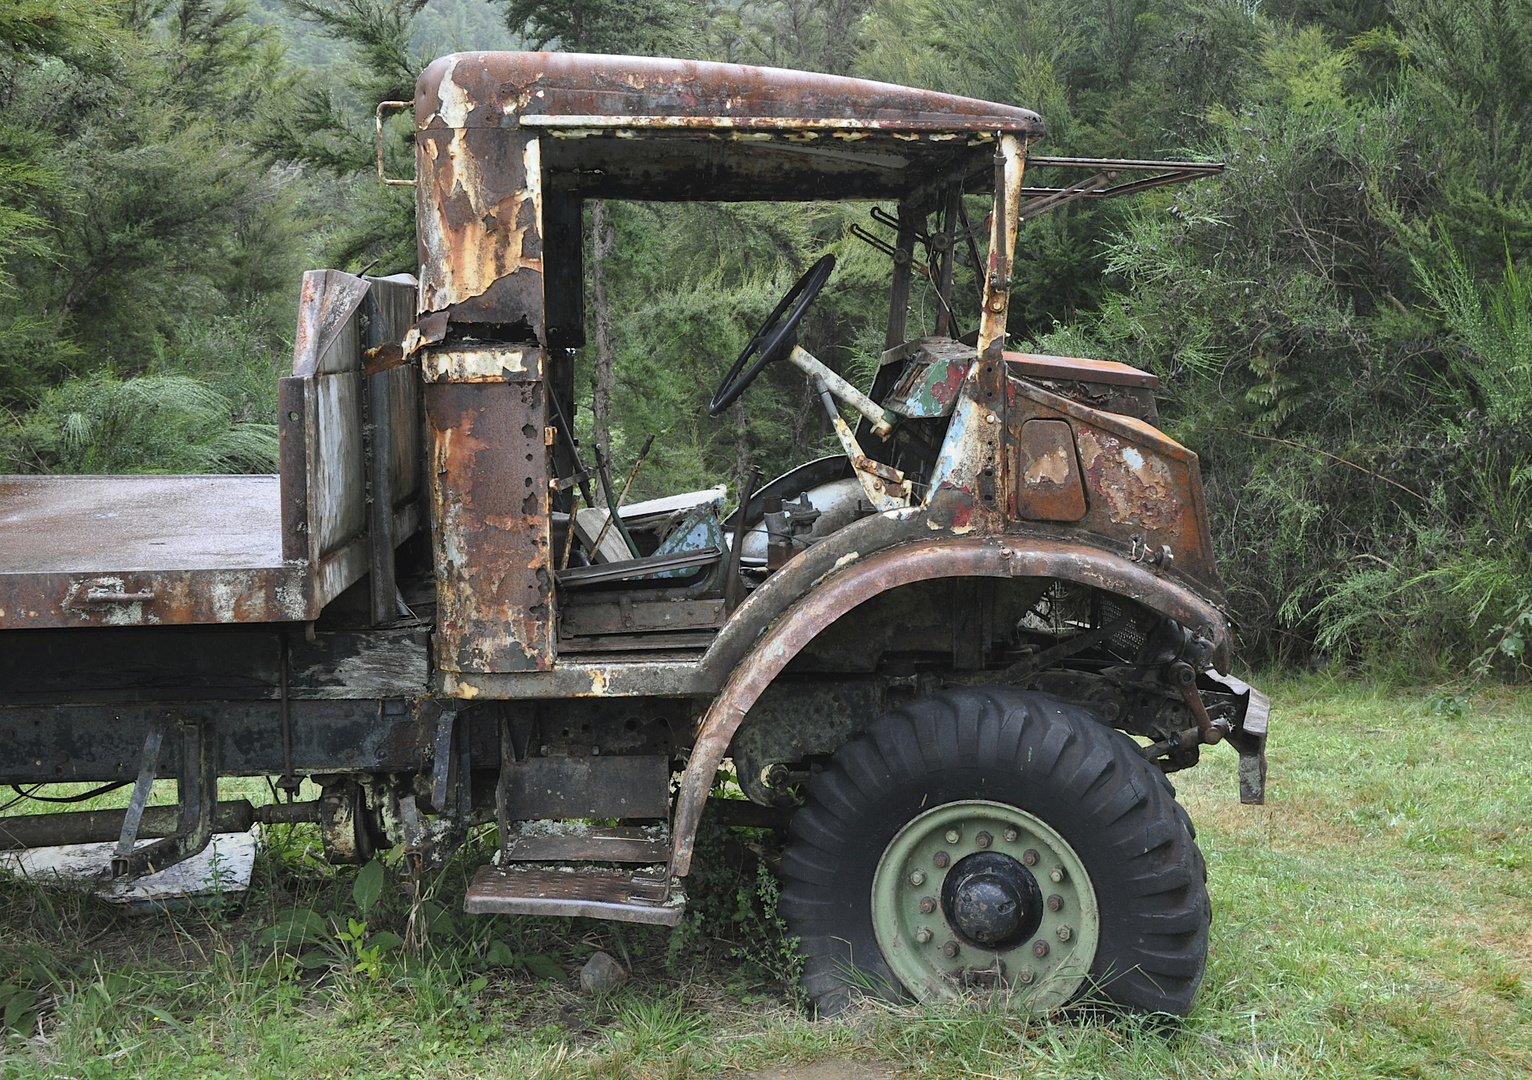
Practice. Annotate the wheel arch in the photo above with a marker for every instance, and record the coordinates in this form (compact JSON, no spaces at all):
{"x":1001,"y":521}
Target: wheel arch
{"x":853,"y":579}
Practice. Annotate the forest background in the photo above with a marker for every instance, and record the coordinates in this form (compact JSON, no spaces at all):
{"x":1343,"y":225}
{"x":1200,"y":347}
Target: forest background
{"x":1342,"y":321}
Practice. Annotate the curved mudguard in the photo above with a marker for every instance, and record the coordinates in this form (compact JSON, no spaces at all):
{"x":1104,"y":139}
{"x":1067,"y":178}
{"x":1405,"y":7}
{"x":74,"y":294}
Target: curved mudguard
{"x":786,"y":613}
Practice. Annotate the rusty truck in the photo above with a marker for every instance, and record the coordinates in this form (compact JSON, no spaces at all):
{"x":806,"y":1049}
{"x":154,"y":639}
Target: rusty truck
{"x":956,"y":661}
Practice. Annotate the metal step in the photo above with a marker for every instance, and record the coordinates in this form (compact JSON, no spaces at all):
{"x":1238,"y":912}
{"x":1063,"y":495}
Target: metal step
{"x":575,"y":841}
{"x":618,"y":895}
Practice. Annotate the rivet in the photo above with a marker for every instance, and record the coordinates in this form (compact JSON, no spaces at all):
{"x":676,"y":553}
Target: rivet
{"x":941,"y":859}
{"x":923,"y":935}
{"x":1056,"y":874}
{"x":927,"y":904}
{"x":950,"y":949}
{"x":918,"y":877}
{"x":982,"y":840}
{"x":1030,"y":857}
{"x":1039,"y":948}
{"x":1064,"y":933}
{"x":1055,"y":902}
{"x":953,"y":836}
{"x":1011,"y":836}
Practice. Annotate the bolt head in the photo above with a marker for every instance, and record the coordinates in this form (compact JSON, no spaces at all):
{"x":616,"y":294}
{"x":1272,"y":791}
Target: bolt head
{"x":941,"y":859}
{"x":1055,"y":902}
{"x":1039,"y":948}
{"x":927,"y":904}
{"x":1025,"y":977}
{"x":950,"y":949}
{"x":953,"y":836}
{"x":1056,"y":874}
{"x":983,"y":840}
{"x":1011,"y":836}
{"x":1064,"y":933}
{"x":917,"y":877}
{"x":1030,"y":857}
{"x":923,"y":935}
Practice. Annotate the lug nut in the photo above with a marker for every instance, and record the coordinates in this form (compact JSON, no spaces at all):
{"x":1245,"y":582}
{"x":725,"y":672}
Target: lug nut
{"x":950,"y":949}
{"x":1039,"y":948}
{"x":927,"y":904}
{"x":1055,"y":903}
{"x":1011,"y":836}
{"x":1064,"y":933}
{"x":923,"y":935}
{"x":1029,"y":857}
{"x":941,"y":859}
{"x":917,"y":877}
{"x":953,"y":836}
{"x":1056,"y":874}
{"x":1025,"y":976}
{"x":983,"y":840}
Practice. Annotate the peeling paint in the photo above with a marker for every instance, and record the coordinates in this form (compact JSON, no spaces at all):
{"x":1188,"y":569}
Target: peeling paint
{"x":1137,"y":489}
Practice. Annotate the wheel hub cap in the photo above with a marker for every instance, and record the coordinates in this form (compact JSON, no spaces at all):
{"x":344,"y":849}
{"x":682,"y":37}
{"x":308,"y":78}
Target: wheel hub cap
{"x":981,"y":897}
{"x":992,"y":901}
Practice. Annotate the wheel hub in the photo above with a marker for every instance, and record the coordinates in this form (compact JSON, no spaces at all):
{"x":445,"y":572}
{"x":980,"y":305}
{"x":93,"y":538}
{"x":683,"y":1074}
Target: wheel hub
{"x":992,"y":901}
{"x":980,"y":896}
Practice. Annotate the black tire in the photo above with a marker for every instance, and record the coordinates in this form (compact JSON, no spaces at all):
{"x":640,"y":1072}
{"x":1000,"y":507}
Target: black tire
{"x":1035,"y":752}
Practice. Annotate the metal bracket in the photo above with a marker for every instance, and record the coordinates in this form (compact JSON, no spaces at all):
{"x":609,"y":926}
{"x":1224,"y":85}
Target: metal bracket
{"x":378,"y":119}
{"x":197,"y":788}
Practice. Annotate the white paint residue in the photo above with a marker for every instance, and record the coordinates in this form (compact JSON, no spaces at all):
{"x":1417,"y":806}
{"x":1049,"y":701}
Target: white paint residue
{"x":452,"y":107}
{"x":1134,"y":459}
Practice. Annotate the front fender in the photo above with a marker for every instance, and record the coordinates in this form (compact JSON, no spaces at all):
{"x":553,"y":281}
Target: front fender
{"x":851,"y":579}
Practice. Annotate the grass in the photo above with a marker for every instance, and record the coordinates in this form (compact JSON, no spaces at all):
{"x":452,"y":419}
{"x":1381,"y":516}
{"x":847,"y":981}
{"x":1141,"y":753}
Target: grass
{"x":1374,"y":919}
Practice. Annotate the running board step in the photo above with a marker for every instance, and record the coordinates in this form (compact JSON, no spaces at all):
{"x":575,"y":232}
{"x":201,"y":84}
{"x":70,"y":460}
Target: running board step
{"x":574,"y":841}
{"x":621,"y":896}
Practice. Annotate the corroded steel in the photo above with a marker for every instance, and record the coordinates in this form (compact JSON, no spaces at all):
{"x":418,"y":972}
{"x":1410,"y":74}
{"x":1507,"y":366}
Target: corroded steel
{"x":489,"y":508}
{"x":145,"y":550}
{"x":857,"y":580}
{"x":595,"y":893}
{"x":494,"y":129}
{"x":1048,"y":486}
{"x":493,"y":89}
{"x":1142,"y":488}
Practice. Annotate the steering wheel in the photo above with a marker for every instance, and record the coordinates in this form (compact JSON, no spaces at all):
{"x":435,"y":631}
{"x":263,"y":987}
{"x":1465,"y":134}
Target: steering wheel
{"x":775,"y":338}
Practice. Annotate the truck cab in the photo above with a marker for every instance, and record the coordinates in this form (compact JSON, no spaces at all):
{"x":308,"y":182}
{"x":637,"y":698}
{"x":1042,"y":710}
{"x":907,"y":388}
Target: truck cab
{"x":956,"y":660}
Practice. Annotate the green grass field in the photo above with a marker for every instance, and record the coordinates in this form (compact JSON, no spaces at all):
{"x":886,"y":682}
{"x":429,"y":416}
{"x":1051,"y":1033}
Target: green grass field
{"x":1374,"y":919}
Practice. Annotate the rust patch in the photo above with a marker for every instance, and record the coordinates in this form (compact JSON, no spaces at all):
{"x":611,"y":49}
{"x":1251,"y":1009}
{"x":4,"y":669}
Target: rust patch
{"x":1133,"y":483}
{"x":1048,"y":485}
{"x":489,"y":493}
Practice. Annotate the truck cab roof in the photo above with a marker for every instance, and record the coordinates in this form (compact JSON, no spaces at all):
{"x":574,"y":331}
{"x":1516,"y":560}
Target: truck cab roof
{"x":674,"y":130}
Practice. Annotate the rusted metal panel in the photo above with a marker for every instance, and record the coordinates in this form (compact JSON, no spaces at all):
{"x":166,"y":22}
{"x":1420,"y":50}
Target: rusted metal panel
{"x":576,"y":841}
{"x":493,"y":128}
{"x":620,"y":615}
{"x":486,"y":365}
{"x":595,"y":893}
{"x":860,"y":579}
{"x":479,"y":217}
{"x":489,"y":508}
{"x":337,"y":489}
{"x":1142,"y":488}
{"x":1048,"y":486}
{"x":491,"y":89}
{"x":611,"y":786}
{"x":326,"y":340}
{"x":144,"y":550}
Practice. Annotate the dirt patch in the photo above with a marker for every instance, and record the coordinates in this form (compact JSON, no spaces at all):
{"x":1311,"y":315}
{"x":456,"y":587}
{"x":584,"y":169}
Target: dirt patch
{"x":832,"y":1069}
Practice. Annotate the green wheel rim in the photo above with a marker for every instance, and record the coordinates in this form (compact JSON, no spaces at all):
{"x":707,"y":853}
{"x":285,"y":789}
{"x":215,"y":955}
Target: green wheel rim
{"x":935,"y":959}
